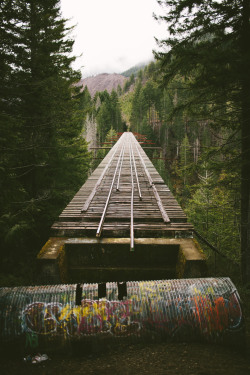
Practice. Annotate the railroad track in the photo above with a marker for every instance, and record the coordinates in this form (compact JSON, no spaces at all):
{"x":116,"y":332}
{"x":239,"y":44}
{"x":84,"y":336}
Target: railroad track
{"x":124,"y":197}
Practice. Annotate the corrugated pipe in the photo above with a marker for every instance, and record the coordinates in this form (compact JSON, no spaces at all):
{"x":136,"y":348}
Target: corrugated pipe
{"x":206,"y":309}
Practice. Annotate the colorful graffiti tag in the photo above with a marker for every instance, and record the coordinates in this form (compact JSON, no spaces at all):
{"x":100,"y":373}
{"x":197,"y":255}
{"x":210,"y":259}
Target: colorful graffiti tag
{"x":91,"y":317}
{"x":208,"y":309}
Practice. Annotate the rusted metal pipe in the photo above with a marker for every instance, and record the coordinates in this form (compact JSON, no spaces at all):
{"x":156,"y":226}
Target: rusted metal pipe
{"x":187,"y":309}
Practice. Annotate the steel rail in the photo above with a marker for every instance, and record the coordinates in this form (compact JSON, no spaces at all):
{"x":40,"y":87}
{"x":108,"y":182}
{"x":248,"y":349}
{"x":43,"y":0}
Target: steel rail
{"x":131,"y":203}
{"x":99,"y":229}
{"x":156,"y":194}
{"x":136,"y":175}
{"x":119,"y":174}
{"x":93,"y":192}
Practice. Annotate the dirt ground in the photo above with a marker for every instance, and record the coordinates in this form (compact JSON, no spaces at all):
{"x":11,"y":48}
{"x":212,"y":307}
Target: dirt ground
{"x":154,"y":358}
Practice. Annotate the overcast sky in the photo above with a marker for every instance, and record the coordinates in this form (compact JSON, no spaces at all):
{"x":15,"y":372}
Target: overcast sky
{"x":113,"y":35}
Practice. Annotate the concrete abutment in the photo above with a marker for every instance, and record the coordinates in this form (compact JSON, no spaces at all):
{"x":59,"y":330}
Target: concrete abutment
{"x":90,"y":260}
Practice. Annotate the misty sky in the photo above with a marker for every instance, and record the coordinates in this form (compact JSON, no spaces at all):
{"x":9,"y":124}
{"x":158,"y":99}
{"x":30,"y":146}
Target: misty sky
{"x":112,"y":35}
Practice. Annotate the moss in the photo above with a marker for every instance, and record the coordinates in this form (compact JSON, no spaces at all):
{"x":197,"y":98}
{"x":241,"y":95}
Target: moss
{"x":198,"y":246}
{"x":44,"y":249}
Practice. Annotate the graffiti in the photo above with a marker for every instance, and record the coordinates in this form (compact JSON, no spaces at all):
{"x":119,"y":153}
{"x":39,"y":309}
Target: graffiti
{"x":197,"y":309}
{"x":91,"y":317}
{"x":150,"y":308}
{"x":207,"y":309}
{"x":196,"y":315}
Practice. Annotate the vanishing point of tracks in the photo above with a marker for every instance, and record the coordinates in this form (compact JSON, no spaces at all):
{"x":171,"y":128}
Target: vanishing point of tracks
{"x":124,"y":197}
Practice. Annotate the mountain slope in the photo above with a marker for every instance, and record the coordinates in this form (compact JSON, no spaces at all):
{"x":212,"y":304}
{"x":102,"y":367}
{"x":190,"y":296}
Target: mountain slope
{"x":134,"y":70}
{"x":102,"y":82}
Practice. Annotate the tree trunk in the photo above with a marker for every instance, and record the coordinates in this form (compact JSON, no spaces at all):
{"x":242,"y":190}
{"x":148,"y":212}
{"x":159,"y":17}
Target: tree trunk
{"x":245,"y":145}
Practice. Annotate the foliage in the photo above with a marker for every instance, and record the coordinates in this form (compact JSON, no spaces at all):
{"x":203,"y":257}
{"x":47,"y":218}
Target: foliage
{"x":210,"y":210}
{"x":108,"y":113}
{"x":125,"y":101}
{"x":208,"y":48}
{"x":44,"y":158}
{"x":101,"y":153}
{"x":196,"y":125}
{"x":134,"y":70}
{"x":128,"y":83}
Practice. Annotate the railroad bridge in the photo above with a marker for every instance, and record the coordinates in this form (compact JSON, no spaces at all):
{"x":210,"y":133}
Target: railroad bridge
{"x":123,"y":224}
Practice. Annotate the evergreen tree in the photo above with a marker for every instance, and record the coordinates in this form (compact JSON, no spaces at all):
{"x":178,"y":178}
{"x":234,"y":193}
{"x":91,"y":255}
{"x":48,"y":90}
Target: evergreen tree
{"x":185,"y":158}
{"x":116,"y":112}
{"x":209,"y":43}
{"x":46,"y":160}
{"x":215,"y":213}
{"x":104,"y":116}
{"x":138,"y":108}
{"x":108,"y":113}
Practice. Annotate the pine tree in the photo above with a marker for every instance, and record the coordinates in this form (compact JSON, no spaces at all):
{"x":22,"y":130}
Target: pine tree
{"x":108,"y":113}
{"x":42,"y":118}
{"x":115,"y":112}
{"x":209,"y":44}
{"x":104,"y":115}
{"x":185,"y":158}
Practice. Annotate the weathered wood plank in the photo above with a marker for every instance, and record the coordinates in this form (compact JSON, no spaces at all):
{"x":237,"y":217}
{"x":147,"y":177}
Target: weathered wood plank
{"x":154,"y":207}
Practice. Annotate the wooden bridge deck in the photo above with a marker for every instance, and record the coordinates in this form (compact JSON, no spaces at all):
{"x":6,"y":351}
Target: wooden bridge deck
{"x":124,"y":162}
{"x":123,"y":205}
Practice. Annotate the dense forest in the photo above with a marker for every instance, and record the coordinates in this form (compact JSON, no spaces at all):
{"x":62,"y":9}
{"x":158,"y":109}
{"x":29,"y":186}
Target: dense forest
{"x":213,"y":55}
{"x":44,"y":158}
{"x":195,"y":102}
{"x":192,"y":100}
{"x":198,"y":161}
